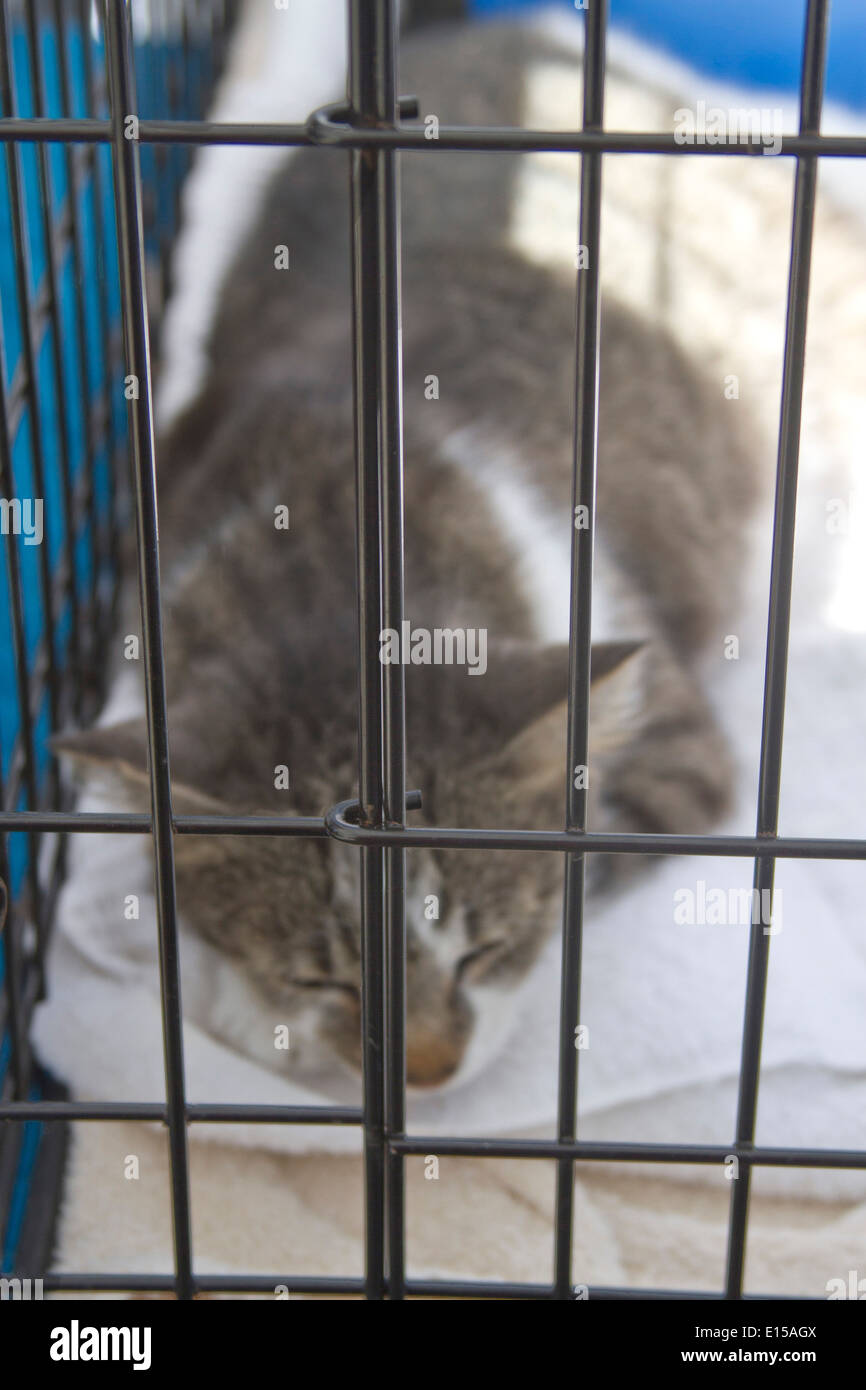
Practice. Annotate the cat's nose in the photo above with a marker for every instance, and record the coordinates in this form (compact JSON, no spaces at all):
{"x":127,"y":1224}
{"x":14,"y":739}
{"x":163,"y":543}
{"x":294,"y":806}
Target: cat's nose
{"x":431,"y":1059}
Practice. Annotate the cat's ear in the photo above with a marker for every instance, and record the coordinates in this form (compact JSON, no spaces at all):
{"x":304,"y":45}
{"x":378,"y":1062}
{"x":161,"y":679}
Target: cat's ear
{"x":117,"y":748}
{"x":617,"y":695}
{"x":472,"y":710}
{"x":502,"y":737}
{"x":521,"y":682}
{"x":119,"y":751}
{"x":537,"y":752}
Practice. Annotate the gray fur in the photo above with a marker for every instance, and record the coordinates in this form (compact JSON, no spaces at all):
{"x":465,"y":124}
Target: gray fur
{"x":261,"y":623}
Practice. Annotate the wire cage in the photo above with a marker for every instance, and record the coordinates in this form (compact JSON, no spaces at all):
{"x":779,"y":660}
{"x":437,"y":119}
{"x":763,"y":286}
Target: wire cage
{"x":64,"y":440}
{"x":65,"y":139}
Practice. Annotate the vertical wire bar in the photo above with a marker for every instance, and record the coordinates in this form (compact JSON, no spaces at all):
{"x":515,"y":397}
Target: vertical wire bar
{"x":14,"y":976}
{"x":779,"y":618}
{"x":112,"y":441}
{"x":364,"y":334}
{"x":585,"y":460}
{"x":376,"y":326}
{"x":10,"y":954}
{"x":29,"y":353}
{"x":393,"y":676}
{"x":37,"y":84}
{"x":127,"y":185}
{"x":64,"y":60}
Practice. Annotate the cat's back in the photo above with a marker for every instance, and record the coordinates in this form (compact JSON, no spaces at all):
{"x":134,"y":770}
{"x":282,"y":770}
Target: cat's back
{"x":488,"y":352}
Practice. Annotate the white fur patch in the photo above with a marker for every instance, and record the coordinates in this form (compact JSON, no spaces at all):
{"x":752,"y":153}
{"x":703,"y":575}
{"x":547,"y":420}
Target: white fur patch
{"x":540,"y":541}
{"x":307,"y":40}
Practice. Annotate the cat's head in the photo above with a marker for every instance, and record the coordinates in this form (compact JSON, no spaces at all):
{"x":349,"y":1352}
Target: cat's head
{"x":485,"y":751}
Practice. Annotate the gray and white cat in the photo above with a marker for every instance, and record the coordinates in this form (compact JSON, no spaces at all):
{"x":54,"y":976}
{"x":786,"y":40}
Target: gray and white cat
{"x":261,"y":621}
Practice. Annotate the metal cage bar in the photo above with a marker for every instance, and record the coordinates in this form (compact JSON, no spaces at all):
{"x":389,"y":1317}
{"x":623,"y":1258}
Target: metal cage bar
{"x":779,"y":618}
{"x":71,"y":674}
{"x":370,"y":126}
{"x":378,"y":424}
{"x":323,"y":129}
{"x":335,"y":822}
{"x":130,"y":238}
{"x":588,"y":328}
{"x":109,"y":348}
{"x":31,"y":399}
{"x":75,"y":179}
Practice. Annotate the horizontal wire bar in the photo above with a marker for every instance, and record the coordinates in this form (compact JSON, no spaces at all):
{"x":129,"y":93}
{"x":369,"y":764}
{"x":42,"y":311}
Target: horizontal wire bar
{"x":615,"y":1152}
{"x":80,"y":1110}
{"x":56,"y":1282}
{"x":592,"y":1151}
{"x":464,"y":1288}
{"x":205,"y":1113}
{"x":139,"y":823}
{"x":725,"y":846}
{"x":266,"y":1283}
{"x":312,"y":827}
{"x":206,"y":1283}
{"x":602,"y":1294}
{"x":275,"y":1114}
{"x":336,"y":135}
{"x":54,"y":128}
